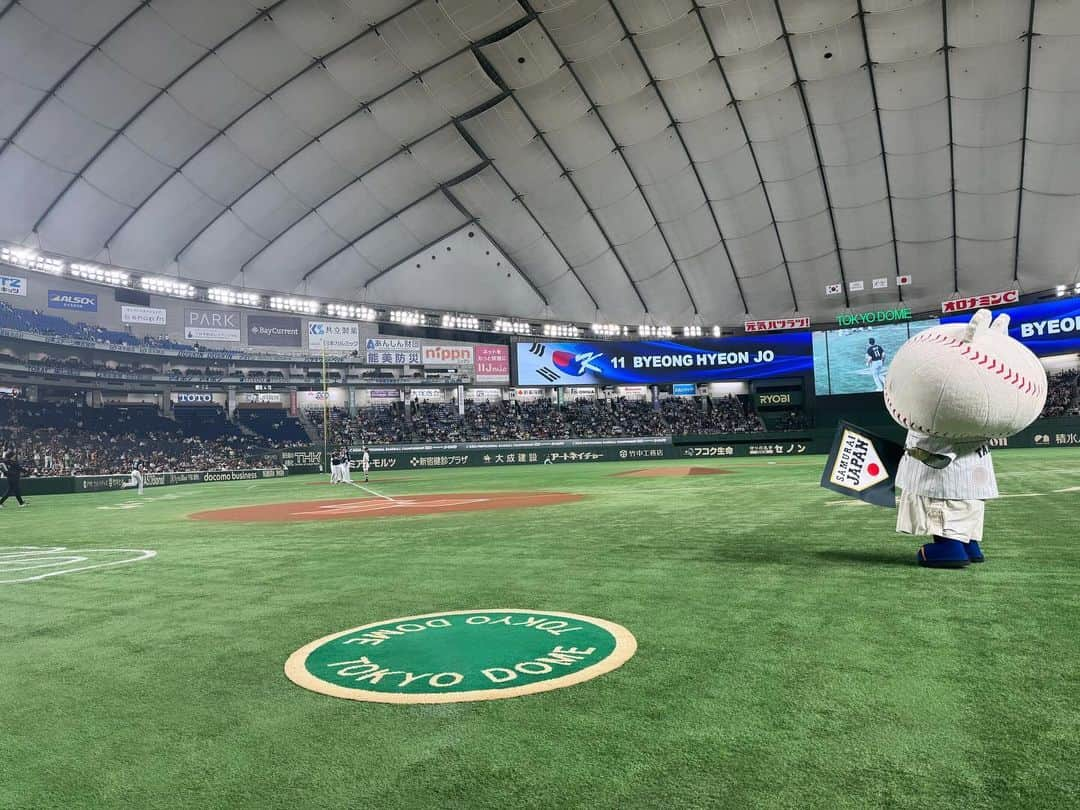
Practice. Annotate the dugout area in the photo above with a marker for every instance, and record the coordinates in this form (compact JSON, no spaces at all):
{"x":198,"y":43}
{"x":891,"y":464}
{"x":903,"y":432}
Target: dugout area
{"x":788,"y":651}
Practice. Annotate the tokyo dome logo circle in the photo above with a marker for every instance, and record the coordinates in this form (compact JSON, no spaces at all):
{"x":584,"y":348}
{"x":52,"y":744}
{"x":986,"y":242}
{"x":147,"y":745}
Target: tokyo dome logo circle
{"x":460,"y":656}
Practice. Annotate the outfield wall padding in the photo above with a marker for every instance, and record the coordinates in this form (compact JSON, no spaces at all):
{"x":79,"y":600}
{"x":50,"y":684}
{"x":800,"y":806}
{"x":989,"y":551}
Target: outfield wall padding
{"x":61,"y":485}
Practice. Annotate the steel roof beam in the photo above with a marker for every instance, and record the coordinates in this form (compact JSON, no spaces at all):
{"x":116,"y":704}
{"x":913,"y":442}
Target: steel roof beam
{"x":817,"y":148}
{"x":469,"y":217}
{"x":385,"y":221}
{"x":520,"y":201}
{"x":161,"y":92}
{"x":1024,"y":142}
{"x":881,"y":140}
{"x":67,"y":74}
{"x":618,"y":148}
{"x":689,"y":157}
{"x":753,"y":152}
{"x":952,"y":149}
{"x":374,"y":29}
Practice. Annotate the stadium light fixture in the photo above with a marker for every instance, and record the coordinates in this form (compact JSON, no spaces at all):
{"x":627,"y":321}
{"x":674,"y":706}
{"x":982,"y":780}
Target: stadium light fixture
{"x":101,"y":275}
{"x":301,"y":306}
{"x":692,"y":331}
{"x":350,"y":312}
{"x":30,"y":259}
{"x":507,"y":327}
{"x":406,"y":317}
{"x":645,"y":330}
{"x":223,"y":295}
{"x":168,"y":286}
{"x":608,"y":329}
{"x":561,"y":330}
{"x":466,"y":322}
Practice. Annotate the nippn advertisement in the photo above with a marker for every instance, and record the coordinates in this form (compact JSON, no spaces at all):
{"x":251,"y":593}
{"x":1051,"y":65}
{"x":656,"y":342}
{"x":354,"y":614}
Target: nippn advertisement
{"x":656,"y":362}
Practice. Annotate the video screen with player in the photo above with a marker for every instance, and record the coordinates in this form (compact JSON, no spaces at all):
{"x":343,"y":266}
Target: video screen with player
{"x":856,"y":360}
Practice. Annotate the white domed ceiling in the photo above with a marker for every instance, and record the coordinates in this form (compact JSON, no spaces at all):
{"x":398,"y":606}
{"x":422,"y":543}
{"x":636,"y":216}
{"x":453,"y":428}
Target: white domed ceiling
{"x":619,"y":160}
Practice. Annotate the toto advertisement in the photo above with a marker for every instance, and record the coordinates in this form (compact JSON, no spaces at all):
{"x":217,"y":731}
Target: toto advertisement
{"x":274,"y":330}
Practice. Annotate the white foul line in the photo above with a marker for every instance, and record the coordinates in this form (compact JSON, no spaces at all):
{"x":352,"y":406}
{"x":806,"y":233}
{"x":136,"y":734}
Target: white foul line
{"x":371,"y":492}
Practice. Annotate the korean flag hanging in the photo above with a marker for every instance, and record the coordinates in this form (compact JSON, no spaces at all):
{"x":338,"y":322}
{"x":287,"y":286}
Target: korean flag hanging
{"x":863,"y":465}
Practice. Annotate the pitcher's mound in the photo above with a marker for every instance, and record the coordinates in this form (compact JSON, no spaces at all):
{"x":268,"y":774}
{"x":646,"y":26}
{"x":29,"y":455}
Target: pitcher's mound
{"x":398,"y":506}
{"x":671,"y":472}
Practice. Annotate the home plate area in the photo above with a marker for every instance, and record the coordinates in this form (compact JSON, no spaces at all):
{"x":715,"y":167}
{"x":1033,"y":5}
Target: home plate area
{"x":403,"y":506}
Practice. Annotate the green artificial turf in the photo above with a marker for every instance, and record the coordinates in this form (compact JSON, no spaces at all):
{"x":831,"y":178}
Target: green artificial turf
{"x":790,"y":652}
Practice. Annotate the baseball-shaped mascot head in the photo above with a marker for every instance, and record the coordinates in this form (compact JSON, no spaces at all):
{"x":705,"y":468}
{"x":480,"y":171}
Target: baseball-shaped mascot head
{"x":966,"y":381}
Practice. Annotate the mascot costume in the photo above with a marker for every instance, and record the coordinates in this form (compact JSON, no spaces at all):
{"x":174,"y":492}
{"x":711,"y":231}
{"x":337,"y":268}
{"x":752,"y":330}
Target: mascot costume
{"x":955,"y":388}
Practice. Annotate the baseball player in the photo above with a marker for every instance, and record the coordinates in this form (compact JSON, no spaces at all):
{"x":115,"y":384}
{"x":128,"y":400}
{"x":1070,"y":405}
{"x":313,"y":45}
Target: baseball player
{"x":13,"y":472}
{"x":365,"y":464}
{"x":344,"y":473}
{"x":875,"y":359}
{"x":136,"y":479}
{"x":335,"y":469}
{"x":945,"y":488}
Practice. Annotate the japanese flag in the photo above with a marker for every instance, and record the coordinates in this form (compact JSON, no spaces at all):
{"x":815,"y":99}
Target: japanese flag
{"x":903,"y":281}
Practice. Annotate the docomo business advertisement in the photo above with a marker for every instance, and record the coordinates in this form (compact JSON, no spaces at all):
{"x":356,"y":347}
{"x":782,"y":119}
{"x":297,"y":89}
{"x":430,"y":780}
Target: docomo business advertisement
{"x":1048,"y":328}
{"x":491,"y":364}
{"x":777,"y":325}
{"x":447,"y":356}
{"x":742,"y":357}
{"x":212,"y":324}
{"x":151,"y":316}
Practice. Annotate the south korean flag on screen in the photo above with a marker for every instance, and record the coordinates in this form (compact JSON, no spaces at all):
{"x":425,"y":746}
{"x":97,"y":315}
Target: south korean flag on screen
{"x":863,"y":465}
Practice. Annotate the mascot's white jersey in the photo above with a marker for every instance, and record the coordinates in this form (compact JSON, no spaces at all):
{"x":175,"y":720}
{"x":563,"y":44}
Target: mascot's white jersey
{"x":970,"y":475}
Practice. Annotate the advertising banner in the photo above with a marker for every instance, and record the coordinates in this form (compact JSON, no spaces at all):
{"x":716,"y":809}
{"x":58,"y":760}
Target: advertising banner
{"x":273,"y":330}
{"x":447,"y":356}
{"x":427,"y":394}
{"x":650,"y":362}
{"x":684,"y":390}
{"x":385,"y":393}
{"x":12,"y":285}
{"x":483,"y":394}
{"x":392,"y":352}
{"x":212,"y":324}
{"x":980,"y":301}
{"x":79,"y":301}
{"x":491,"y":364}
{"x":144,"y":315}
{"x":1047,"y":328}
{"x":777,"y":399}
{"x":100,"y":483}
{"x":333,"y":336}
{"x":197,"y":398}
{"x":778,"y":325}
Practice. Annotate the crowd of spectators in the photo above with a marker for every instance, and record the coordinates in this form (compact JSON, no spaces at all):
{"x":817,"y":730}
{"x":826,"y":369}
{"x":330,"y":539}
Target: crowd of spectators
{"x":66,"y":438}
{"x":41,"y":323}
{"x":423,"y":422}
{"x":1063,"y":394}
{"x":688,"y":416}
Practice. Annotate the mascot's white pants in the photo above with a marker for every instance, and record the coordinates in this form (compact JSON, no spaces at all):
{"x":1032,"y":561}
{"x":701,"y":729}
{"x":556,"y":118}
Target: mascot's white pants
{"x":955,"y":519}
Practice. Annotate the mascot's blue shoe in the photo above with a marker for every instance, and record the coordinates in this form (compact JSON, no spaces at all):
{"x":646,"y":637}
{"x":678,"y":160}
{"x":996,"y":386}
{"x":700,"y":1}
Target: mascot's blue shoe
{"x":974,"y":551}
{"x":943,"y":553}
